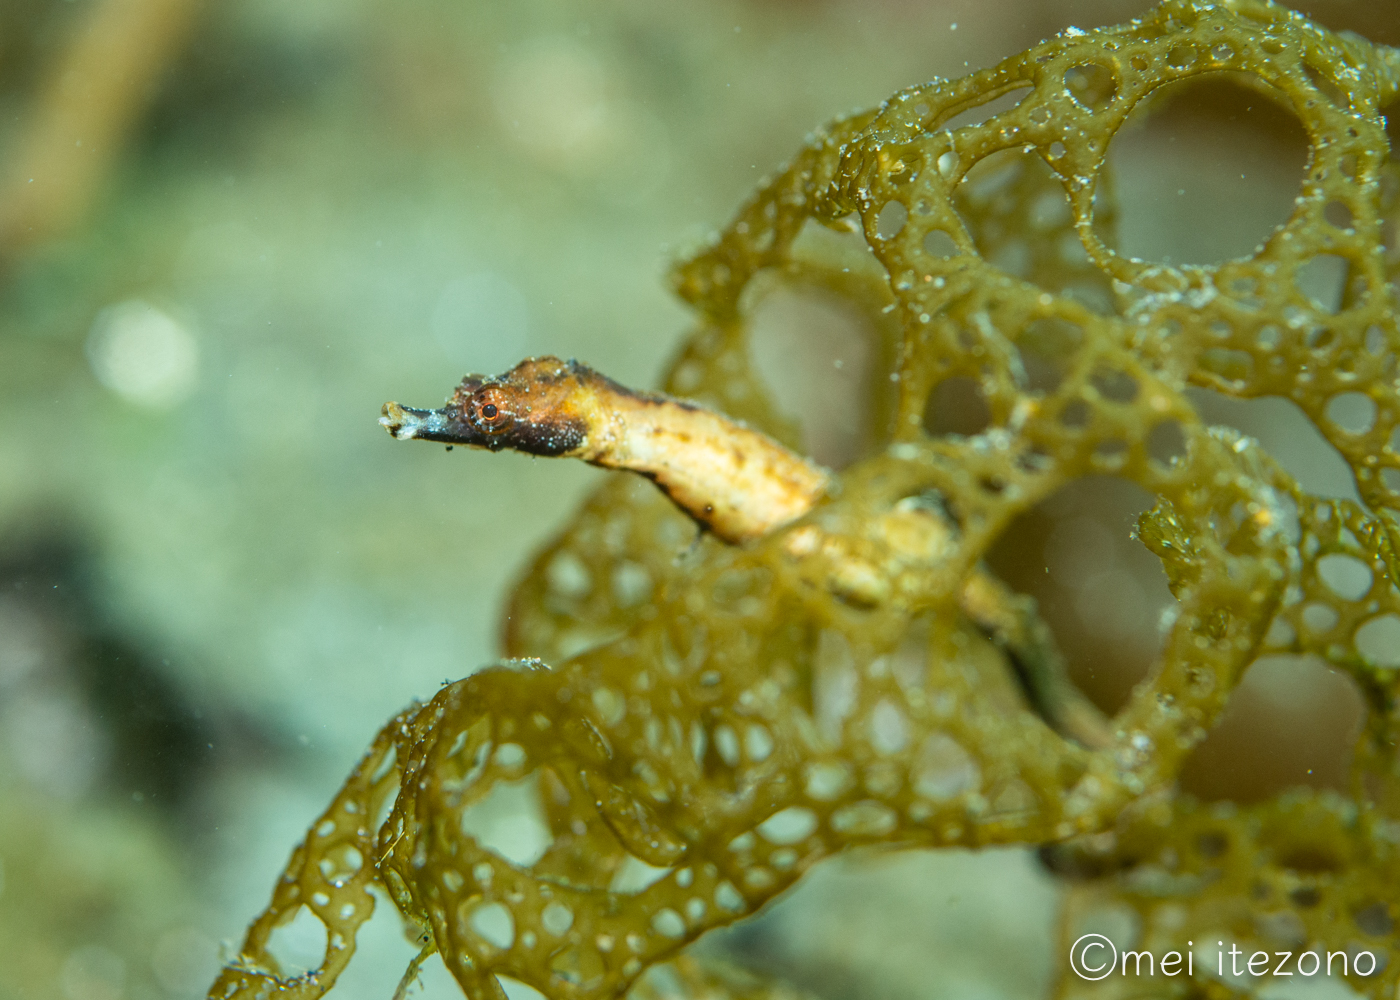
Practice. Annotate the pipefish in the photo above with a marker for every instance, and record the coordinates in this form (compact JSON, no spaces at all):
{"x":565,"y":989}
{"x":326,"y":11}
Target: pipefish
{"x":734,"y":481}
{"x":731,"y":479}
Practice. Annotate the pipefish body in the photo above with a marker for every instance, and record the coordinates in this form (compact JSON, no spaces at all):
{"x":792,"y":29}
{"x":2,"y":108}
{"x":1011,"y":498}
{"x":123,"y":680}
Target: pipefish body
{"x":733,"y":480}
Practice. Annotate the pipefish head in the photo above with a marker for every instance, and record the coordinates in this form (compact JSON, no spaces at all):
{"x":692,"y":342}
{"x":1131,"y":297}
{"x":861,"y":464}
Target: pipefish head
{"x":533,"y":408}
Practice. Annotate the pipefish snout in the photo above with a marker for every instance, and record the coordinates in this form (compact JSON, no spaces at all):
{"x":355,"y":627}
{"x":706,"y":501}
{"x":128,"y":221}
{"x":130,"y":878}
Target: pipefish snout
{"x":733,"y":480}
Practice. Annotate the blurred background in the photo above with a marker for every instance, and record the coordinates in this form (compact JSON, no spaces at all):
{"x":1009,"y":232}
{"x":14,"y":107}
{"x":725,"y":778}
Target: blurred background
{"x":230,"y":232}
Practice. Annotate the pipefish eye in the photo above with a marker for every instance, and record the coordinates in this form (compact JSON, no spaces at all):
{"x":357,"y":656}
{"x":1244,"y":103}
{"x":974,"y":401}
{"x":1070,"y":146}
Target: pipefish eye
{"x":489,"y":412}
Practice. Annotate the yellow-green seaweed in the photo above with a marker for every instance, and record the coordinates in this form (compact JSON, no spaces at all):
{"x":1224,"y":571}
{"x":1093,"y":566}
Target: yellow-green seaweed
{"x":729,"y":716}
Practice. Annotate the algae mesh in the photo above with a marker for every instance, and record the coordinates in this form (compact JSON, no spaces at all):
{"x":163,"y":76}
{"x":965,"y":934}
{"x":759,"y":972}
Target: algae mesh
{"x":693,"y":725}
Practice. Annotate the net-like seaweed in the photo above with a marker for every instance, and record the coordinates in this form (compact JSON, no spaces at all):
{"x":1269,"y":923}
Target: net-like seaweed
{"x":694,"y":729}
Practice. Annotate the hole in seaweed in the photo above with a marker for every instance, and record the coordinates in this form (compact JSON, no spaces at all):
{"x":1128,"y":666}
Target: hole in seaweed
{"x":991,"y":179}
{"x":1206,"y":170}
{"x":1111,"y":454}
{"x":1281,"y":926}
{"x":493,"y":923}
{"x":956,"y":406}
{"x":556,"y":919}
{"x":1212,"y":844}
{"x":510,"y":821}
{"x":1280,"y":634}
{"x":836,"y":246}
{"x":668,"y":923}
{"x":1319,"y":618}
{"x":1352,"y":412}
{"x":384,"y":809}
{"x":1322,"y":280}
{"x":1045,"y":346}
{"x":1328,"y":86}
{"x":1076,"y":414}
{"x":835,"y":684}
{"x":1013,"y":257}
{"x":1166,"y":443}
{"x":1232,"y":369}
{"x":1378,"y":640}
{"x":727,"y":745}
{"x":1051,"y":210}
{"x":827,"y":782}
{"x":944,"y":769}
{"x":1245,"y":288}
{"x":940,"y":244}
{"x":634,"y":875}
{"x":1116,"y":386}
{"x":567,"y":577}
{"x":1003,"y":191}
{"x":891,"y":220}
{"x":1292,"y":721}
{"x":1101,"y":592}
{"x":1305,"y":896}
{"x":1346,"y":576}
{"x":888,"y":728}
{"x":339,"y":863}
{"x":1035,"y":461}
{"x":299,"y":945}
{"x":1286,"y":433}
{"x":1092,"y":86}
{"x":631,"y":584}
{"x":1338,"y":215}
{"x":790,"y":826}
{"x":1374,"y":919}
{"x":814,"y":351}
{"x":1181,"y":56}
{"x":979,"y":113}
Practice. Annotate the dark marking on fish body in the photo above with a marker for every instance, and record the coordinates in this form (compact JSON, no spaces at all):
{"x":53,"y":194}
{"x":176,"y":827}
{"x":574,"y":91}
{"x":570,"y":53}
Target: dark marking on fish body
{"x":550,"y":438}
